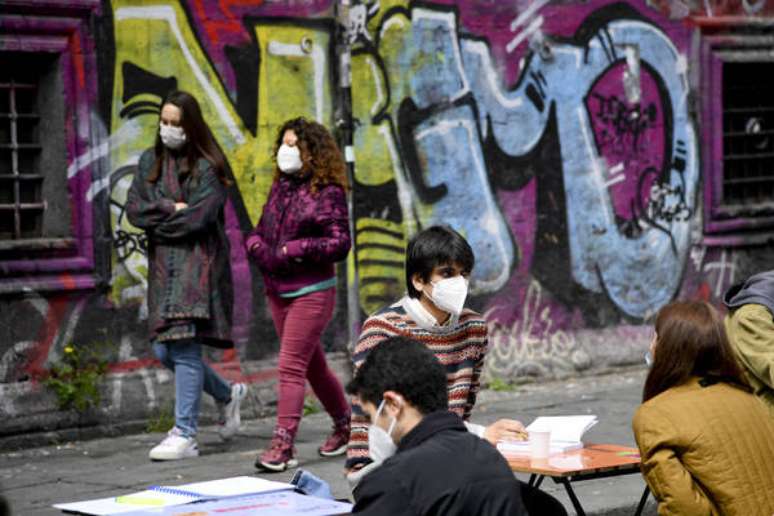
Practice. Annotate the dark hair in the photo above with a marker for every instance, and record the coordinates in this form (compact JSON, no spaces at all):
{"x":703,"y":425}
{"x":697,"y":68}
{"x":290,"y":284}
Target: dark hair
{"x":320,"y":154}
{"x":434,"y":246}
{"x":690,"y":341}
{"x":407,"y":367}
{"x":199,"y":140}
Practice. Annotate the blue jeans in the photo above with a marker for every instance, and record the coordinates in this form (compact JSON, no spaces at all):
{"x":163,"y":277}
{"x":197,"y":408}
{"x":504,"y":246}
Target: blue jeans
{"x":192,"y":375}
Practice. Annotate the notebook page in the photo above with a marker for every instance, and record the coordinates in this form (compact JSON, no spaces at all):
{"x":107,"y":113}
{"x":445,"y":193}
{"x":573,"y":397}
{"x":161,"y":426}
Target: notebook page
{"x":235,"y":486}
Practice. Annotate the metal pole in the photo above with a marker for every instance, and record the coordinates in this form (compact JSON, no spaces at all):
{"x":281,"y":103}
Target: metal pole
{"x":345,"y":127}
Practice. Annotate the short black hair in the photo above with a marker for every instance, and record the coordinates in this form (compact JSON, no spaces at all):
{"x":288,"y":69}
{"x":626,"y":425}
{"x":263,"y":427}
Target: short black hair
{"x":434,"y":246}
{"x":407,"y":367}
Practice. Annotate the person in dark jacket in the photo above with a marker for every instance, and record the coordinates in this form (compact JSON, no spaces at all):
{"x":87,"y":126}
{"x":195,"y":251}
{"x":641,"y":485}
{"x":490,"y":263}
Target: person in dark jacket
{"x":431,"y":463}
{"x":303,"y":231}
{"x":177,"y":197}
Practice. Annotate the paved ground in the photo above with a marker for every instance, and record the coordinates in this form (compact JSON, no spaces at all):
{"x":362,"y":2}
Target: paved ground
{"x":35,"y":478}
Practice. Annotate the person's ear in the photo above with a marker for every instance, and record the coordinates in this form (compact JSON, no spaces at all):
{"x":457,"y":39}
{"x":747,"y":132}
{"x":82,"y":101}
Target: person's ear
{"x":416,"y":281}
{"x":393,"y":403}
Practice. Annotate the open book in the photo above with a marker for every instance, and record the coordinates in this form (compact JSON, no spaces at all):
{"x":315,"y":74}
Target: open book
{"x":566,"y":434}
{"x":156,"y":497}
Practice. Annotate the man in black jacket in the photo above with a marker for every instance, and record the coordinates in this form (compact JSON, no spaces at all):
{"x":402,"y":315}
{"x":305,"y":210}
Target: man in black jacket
{"x":432,"y":464}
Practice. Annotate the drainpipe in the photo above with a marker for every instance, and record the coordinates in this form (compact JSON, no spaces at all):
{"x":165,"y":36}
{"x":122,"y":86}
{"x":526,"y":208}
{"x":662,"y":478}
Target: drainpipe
{"x":345,"y":129}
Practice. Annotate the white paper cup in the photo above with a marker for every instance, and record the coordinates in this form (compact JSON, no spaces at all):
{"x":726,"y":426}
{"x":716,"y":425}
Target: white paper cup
{"x":539,"y":443}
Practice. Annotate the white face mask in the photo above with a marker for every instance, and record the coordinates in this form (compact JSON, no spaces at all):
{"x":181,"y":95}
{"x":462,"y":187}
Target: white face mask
{"x":289,"y":159}
{"x":449,"y":294}
{"x":649,"y":358}
{"x":172,"y":136}
{"x":380,"y":445}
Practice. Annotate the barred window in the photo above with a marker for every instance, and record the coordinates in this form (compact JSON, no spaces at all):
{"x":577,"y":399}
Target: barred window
{"x":748,"y":134}
{"x":737,"y":124}
{"x":34,"y":202}
{"x":50,"y":236}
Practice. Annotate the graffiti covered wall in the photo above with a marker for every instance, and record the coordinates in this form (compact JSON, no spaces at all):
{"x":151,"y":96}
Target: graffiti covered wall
{"x":576,"y":185}
{"x":561,"y":138}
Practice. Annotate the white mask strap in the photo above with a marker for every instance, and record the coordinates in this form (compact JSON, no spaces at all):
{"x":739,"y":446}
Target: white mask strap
{"x":379,"y":411}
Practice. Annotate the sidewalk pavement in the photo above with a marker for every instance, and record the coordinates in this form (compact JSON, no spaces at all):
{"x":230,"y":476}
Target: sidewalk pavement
{"x":35,"y":478}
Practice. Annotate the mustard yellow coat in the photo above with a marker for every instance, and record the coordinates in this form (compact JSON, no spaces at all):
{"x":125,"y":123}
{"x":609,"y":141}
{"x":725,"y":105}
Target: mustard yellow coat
{"x":750,"y":330}
{"x":707,"y":450}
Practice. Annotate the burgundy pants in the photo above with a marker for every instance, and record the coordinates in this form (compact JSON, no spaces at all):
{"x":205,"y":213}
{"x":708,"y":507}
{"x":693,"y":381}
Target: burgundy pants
{"x":299,"y":322}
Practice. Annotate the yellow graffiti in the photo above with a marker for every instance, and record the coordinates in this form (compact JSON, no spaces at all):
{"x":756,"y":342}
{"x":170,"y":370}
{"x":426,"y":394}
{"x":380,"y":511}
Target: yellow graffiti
{"x":379,"y":243}
{"x":380,"y":254}
{"x":368,"y":99}
{"x":377,"y":93}
{"x":386,"y":7}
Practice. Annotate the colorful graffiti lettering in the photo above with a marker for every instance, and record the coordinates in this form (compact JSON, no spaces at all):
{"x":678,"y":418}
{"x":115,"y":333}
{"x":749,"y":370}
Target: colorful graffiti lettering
{"x":629,"y":169}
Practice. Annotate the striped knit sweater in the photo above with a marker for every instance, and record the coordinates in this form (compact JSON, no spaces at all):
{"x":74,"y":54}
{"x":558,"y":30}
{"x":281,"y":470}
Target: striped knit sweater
{"x":459,"y":345}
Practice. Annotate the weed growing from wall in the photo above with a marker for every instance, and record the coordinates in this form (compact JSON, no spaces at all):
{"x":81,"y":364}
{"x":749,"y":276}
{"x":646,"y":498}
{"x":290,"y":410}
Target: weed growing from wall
{"x":76,"y":378}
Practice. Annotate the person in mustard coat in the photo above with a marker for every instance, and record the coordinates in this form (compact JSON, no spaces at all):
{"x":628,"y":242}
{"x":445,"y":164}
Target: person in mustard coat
{"x":707,"y":443}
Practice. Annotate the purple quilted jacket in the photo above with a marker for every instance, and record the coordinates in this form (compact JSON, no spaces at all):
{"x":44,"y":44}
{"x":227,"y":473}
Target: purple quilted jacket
{"x":314,"y":227}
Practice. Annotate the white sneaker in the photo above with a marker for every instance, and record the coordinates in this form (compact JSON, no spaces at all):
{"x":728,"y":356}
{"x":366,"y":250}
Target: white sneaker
{"x":229,"y":417}
{"x":175,"y":446}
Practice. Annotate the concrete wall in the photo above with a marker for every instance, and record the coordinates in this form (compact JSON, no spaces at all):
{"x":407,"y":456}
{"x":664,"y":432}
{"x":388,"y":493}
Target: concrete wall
{"x":569,"y":141}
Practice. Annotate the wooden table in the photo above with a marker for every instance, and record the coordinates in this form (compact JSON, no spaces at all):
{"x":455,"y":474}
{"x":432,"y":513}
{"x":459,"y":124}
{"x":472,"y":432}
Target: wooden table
{"x":592,"y":461}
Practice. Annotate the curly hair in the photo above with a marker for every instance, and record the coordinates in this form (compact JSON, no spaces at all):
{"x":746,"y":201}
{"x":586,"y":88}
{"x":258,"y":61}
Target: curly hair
{"x":320,"y":155}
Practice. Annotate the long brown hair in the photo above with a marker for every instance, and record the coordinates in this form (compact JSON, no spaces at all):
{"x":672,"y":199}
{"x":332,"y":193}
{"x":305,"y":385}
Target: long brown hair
{"x":199,"y":140}
{"x":320,"y":155}
{"x":690,"y":341}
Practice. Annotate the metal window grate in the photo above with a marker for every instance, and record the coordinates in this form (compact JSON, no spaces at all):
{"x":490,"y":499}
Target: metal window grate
{"x":21,"y":203}
{"x":748,"y":133}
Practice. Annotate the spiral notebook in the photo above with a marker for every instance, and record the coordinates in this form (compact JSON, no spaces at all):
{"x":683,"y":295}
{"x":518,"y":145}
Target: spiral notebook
{"x":225,"y":487}
{"x":148,"y":499}
{"x":156,"y":497}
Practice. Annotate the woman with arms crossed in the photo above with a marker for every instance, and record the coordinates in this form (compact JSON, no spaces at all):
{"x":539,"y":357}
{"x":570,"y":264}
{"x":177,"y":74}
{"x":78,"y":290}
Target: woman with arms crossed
{"x":177,"y":197}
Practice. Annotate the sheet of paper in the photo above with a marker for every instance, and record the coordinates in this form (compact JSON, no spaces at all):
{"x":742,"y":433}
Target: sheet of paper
{"x":566,"y":462}
{"x":235,"y":486}
{"x":126,"y":503}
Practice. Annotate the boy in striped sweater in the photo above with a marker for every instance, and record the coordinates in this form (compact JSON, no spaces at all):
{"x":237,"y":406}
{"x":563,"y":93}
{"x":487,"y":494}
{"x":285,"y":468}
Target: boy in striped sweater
{"x":438,"y":265}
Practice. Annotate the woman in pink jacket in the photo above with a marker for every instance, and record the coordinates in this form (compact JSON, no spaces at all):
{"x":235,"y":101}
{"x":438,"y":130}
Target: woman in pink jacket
{"x":303,"y":231}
